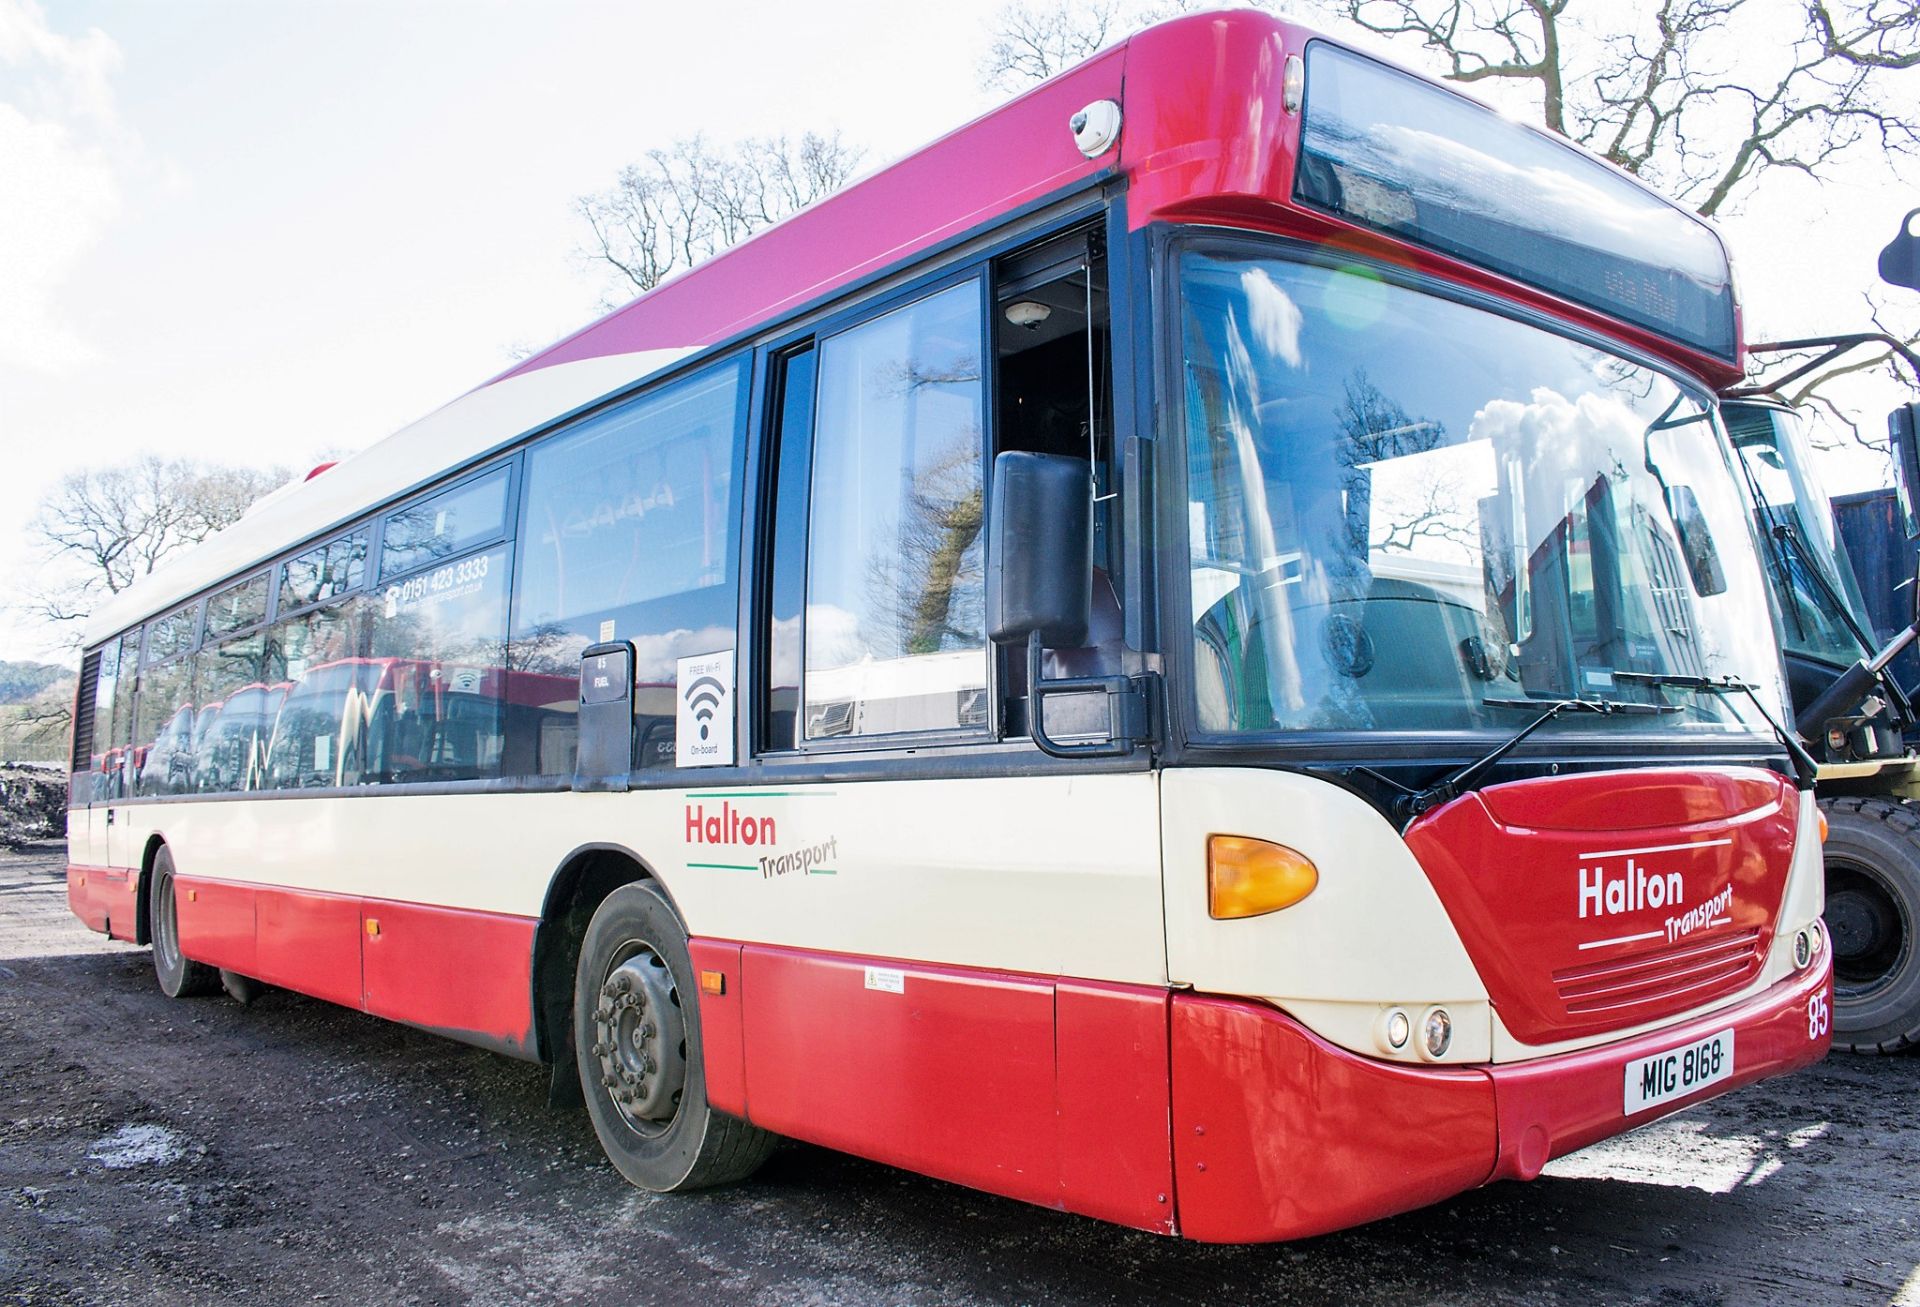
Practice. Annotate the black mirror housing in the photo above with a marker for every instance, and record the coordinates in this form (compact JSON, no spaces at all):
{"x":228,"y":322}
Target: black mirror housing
{"x":1039,"y":550}
{"x":1900,"y":260}
{"x":1903,"y":432}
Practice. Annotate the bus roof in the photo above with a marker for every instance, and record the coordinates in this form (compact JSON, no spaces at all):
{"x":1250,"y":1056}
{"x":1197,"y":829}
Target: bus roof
{"x":1225,"y":153}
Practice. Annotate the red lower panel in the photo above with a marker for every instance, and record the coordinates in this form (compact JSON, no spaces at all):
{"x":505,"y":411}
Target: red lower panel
{"x":460,"y":973}
{"x":1279,"y":1135}
{"x":1553,"y":1106}
{"x":216,"y":923}
{"x":309,"y":942}
{"x":945,"y":1071}
{"x":722,"y":1043}
{"x":90,"y":894}
{"x":1116,"y":1161}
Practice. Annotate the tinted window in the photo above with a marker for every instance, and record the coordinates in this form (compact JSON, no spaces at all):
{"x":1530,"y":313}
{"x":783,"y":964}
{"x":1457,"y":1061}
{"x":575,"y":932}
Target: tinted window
{"x":445,"y":524}
{"x":116,"y":761}
{"x":628,"y":534}
{"x":101,"y":746}
{"x":895,"y":625}
{"x":240,"y":692}
{"x":237,"y":607}
{"x":163,"y":761}
{"x":319,"y":737}
{"x":325,"y":572}
{"x":439,"y":643}
{"x":170,"y":636}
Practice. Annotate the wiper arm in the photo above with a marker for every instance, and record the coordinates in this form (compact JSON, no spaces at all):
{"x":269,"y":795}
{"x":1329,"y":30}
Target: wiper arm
{"x":1450,"y":787}
{"x":1805,"y":769}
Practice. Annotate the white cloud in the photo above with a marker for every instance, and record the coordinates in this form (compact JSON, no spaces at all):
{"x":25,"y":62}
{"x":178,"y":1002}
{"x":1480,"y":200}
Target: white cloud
{"x":59,"y":138}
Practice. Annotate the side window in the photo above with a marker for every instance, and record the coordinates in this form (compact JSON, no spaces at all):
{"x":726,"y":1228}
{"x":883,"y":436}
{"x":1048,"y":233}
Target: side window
{"x":787,"y":524}
{"x":895,"y":634}
{"x":324,"y":572}
{"x":439,"y":644}
{"x":444,"y":524}
{"x":100,"y":747}
{"x":240,"y":695}
{"x":319,"y":734}
{"x":117,"y":757}
{"x":163,"y":760}
{"x":628,"y":533}
{"x":237,"y":608}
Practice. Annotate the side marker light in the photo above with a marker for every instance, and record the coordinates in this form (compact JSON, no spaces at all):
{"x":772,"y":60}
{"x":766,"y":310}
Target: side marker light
{"x":1823,"y":824}
{"x":1247,"y":877}
{"x":713,"y":982}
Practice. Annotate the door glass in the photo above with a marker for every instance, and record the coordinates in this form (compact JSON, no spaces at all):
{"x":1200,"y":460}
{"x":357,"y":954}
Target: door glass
{"x":895,"y":623}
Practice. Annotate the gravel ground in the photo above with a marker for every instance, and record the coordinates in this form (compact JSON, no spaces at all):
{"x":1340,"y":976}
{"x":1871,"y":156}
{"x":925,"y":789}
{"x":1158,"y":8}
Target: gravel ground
{"x":201,"y":1152}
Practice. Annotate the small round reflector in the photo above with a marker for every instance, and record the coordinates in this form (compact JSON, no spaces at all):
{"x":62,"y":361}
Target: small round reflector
{"x":1249,"y":878}
{"x":1437,"y":1031}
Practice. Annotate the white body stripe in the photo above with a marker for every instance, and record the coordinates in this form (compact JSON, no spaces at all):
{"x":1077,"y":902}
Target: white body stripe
{"x":1052,"y":875}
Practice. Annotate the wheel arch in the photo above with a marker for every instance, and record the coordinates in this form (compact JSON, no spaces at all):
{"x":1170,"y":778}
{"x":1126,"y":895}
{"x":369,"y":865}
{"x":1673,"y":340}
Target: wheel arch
{"x":143,"y":900}
{"x":579,"y":885}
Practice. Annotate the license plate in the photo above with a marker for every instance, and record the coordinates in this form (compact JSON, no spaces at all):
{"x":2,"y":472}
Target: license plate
{"x":1651,"y":1081}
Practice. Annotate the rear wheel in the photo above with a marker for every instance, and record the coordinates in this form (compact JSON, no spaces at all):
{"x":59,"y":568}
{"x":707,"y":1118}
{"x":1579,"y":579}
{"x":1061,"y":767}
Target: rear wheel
{"x":1873,"y":907}
{"x":636,"y":1036}
{"x":179,"y":977}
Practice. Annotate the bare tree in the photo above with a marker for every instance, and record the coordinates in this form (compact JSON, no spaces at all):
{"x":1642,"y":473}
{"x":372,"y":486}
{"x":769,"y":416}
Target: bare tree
{"x":101,"y":530}
{"x":687,"y":202}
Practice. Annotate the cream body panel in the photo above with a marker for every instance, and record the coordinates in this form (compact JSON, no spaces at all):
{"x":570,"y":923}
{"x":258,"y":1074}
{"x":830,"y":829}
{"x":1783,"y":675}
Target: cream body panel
{"x":1801,"y":903}
{"x":1056,"y":875}
{"x":1372,"y":932}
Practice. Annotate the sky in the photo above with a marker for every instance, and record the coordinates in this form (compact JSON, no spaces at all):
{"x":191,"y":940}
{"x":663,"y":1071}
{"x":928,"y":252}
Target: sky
{"x":261,"y":233}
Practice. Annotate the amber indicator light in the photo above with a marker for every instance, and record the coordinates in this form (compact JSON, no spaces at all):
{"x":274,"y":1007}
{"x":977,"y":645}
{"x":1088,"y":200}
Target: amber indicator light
{"x":1249,"y":878}
{"x":713,"y":982}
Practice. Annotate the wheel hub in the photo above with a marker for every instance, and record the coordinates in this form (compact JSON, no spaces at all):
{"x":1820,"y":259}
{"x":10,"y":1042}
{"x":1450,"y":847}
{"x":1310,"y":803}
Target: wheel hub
{"x":640,"y":1040}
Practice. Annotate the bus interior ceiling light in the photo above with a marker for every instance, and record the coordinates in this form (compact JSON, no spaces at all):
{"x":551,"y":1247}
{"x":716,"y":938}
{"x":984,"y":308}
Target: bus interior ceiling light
{"x":1028,"y":313}
{"x":1250,"y":877}
{"x":1096,"y":127}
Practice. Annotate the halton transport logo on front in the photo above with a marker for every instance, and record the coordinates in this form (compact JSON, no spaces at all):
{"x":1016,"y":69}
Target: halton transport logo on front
{"x":1630,"y":886}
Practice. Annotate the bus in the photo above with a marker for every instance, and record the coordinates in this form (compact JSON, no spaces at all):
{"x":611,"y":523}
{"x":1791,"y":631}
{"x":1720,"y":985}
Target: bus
{"x":1189,"y":653}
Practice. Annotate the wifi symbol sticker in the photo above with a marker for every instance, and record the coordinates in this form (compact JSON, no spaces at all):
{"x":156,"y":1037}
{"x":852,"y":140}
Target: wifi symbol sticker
{"x":703,"y":734}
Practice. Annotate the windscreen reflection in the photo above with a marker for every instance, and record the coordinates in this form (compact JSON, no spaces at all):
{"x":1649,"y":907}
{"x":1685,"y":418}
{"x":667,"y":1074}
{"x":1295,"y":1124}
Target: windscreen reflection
{"x":1408,"y":514}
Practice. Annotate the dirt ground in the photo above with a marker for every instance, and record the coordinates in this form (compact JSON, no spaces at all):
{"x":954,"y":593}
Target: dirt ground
{"x":291,"y":1152}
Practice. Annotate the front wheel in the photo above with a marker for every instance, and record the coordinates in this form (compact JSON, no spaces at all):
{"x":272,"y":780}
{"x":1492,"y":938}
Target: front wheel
{"x":179,"y":976}
{"x":636,"y":1037}
{"x":1873,"y":907}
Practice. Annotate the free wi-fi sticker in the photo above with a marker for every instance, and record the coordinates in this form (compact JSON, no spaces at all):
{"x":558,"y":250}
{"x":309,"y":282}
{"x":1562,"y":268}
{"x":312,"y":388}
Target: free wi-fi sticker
{"x":703,"y":728}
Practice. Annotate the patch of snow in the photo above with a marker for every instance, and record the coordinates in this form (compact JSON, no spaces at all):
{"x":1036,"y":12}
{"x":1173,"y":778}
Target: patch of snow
{"x":137,"y":1145}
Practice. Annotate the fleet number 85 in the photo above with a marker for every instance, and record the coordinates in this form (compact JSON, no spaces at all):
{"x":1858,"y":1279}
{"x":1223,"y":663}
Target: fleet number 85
{"x":1817,"y":1016}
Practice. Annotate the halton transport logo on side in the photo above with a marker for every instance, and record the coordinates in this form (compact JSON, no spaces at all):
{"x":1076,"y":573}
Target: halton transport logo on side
{"x":1636,"y":887}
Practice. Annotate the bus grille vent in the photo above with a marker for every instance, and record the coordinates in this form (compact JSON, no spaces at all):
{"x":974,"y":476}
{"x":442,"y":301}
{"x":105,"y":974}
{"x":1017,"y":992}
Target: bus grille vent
{"x":1673,"y":976}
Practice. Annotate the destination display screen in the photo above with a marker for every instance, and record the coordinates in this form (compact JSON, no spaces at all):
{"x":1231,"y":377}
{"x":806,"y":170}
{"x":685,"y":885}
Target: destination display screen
{"x":1389,"y":151}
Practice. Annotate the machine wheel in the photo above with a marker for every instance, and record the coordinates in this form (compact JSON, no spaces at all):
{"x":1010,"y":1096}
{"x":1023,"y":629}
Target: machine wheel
{"x":1873,"y":907}
{"x":636,"y":1037}
{"x":179,"y":977}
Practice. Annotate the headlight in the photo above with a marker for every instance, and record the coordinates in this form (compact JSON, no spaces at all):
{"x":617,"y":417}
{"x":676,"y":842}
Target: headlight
{"x":1436,"y":1032}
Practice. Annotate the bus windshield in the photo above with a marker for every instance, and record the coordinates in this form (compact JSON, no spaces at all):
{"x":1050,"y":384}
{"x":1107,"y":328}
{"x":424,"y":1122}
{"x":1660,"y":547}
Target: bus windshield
{"x":1409,"y":514}
{"x":1813,"y":576}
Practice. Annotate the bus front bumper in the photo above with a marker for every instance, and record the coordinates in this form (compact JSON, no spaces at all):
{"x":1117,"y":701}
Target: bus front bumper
{"x":1281,"y":1135}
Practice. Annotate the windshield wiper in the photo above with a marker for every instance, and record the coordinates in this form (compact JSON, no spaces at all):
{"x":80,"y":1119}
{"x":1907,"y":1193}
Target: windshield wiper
{"x":1452,"y":786}
{"x":1804,"y":766}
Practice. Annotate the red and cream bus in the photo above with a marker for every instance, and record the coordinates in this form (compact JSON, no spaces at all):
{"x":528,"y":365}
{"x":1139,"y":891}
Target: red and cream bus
{"x":1189,"y":653}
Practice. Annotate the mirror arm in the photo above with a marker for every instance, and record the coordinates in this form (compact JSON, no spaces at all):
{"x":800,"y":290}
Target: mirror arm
{"x":1125,"y":693}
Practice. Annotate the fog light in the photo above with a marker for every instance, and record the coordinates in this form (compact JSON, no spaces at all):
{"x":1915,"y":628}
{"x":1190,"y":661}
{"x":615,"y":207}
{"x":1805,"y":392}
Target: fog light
{"x":1437,"y":1031}
{"x":1802,"y":950}
{"x":1818,"y":934}
{"x":1398,"y":1029}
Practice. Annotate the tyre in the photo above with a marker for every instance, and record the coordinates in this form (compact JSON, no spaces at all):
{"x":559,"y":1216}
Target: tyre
{"x":179,"y":977}
{"x":636,"y":1038}
{"x":241,"y":989}
{"x":1873,"y":906}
